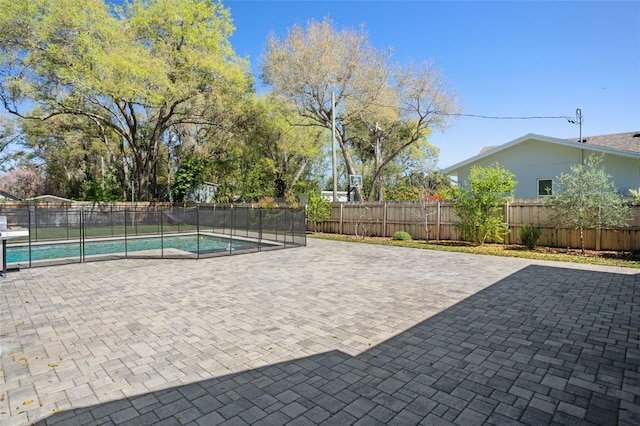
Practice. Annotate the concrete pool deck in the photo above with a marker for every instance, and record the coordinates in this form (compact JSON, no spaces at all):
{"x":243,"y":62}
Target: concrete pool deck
{"x":334,"y":333}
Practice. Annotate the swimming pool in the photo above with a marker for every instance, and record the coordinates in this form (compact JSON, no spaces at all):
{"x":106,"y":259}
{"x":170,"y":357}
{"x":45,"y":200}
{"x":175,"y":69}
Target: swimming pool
{"x":186,"y":243}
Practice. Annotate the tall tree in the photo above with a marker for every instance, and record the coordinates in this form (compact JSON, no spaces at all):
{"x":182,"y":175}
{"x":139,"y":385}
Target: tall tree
{"x":286,"y":141}
{"x":139,"y":70}
{"x":587,"y":198}
{"x":73,"y":156}
{"x":382,"y":108}
{"x":272,"y":150}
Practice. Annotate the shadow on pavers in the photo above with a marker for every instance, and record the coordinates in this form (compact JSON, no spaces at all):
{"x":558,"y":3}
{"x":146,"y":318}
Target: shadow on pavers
{"x":543,"y":345}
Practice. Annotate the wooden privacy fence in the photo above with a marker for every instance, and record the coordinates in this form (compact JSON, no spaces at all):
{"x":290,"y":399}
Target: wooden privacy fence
{"x":438,"y":219}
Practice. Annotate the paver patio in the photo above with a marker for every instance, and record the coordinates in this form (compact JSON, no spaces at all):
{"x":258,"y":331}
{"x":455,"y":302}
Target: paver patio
{"x":334,"y":333}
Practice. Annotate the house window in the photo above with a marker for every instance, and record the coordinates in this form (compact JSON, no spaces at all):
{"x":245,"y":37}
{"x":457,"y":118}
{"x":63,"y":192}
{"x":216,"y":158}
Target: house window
{"x":545,"y":187}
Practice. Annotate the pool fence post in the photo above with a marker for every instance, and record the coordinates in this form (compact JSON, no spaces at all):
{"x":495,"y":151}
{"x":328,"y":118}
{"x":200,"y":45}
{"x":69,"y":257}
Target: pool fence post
{"x":260,"y":231}
{"x":35,"y":220}
{"x":285,"y":227}
{"x":30,"y":236}
{"x":247,"y":225}
{"x":125,"y":234}
{"x":161,"y":237}
{"x":81,"y":229}
{"x":213,"y":219}
{"x":198,"y":229}
{"x":231,"y":223}
{"x":277,"y":225}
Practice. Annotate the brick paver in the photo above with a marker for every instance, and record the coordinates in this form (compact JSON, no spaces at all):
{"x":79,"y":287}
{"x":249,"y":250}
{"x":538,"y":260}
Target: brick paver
{"x":334,"y":333}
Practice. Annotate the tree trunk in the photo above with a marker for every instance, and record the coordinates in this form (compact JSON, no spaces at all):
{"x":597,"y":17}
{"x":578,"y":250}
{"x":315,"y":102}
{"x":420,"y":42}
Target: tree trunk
{"x":296,"y":177}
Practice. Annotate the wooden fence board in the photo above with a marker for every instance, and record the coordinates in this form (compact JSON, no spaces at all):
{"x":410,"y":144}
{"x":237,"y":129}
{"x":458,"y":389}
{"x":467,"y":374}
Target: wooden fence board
{"x":384,"y":219}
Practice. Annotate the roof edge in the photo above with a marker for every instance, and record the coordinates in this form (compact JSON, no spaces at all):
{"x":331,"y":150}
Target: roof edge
{"x":548,"y":139}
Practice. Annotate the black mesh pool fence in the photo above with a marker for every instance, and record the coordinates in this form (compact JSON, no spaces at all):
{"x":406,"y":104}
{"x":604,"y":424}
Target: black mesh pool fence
{"x":101,"y":232}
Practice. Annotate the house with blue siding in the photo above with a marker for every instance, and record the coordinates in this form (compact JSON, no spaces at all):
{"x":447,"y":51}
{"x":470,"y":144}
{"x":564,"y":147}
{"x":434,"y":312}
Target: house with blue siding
{"x":537,"y":161}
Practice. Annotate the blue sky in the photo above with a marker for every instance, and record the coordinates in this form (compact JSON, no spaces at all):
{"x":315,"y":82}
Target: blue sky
{"x":504,"y":58}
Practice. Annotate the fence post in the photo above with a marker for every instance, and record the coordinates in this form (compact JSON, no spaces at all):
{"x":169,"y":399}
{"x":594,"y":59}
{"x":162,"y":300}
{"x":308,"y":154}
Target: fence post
{"x":162,"y":233}
{"x":284,"y":237}
{"x":30,"y":235}
{"x":198,"y":228}
{"x":599,"y":229}
{"x":384,"y":220}
{"x":341,"y":226}
{"x":507,"y":211}
{"x":82,"y":230}
{"x":213,"y":219}
{"x":260,"y":230}
{"x":126,"y":252}
{"x":35,"y":220}
{"x":231,"y":224}
{"x":438,"y":222}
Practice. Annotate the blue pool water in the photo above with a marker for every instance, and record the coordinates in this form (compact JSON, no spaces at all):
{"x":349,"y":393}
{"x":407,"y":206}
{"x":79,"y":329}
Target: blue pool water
{"x":188,"y":243}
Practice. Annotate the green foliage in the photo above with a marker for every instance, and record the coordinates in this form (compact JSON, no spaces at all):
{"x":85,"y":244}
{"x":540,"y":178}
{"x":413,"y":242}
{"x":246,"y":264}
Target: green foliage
{"x":318,"y":209}
{"x":402,"y":236}
{"x":76,"y":162}
{"x":105,"y":188}
{"x":383,"y":108}
{"x":479,"y":205}
{"x":190,"y":175}
{"x":529,"y":235}
{"x":402,"y":193}
{"x":132,"y":74}
{"x":587,"y":198}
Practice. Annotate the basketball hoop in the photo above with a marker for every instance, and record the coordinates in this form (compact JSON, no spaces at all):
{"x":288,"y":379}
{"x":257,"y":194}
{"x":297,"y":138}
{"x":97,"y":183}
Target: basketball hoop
{"x":355,"y":181}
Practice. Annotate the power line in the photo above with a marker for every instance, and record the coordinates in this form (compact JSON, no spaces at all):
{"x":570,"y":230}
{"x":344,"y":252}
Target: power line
{"x":492,"y":117}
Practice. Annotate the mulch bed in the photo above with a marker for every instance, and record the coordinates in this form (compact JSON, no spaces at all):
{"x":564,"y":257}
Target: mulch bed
{"x":492,"y":248}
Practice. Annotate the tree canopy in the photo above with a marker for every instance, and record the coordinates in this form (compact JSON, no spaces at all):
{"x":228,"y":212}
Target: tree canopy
{"x":382,"y":107}
{"x":149,"y":95}
{"x":133,"y":73}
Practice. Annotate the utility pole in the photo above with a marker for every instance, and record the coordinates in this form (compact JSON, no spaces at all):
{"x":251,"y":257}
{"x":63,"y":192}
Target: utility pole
{"x":578,"y":121}
{"x":333,"y":147}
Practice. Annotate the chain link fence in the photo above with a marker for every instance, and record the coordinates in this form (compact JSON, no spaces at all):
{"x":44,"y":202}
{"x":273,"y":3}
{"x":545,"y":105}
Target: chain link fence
{"x":59,"y":235}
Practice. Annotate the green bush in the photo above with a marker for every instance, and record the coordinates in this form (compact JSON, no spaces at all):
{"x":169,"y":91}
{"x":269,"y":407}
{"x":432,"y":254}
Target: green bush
{"x":318,"y":209}
{"x":479,"y":203}
{"x":402,"y":236}
{"x":529,"y":235}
